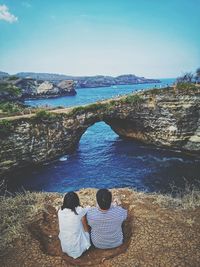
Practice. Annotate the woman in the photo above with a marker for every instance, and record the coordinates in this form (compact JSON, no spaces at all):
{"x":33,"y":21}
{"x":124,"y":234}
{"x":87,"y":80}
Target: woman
{"x":74,"y":231}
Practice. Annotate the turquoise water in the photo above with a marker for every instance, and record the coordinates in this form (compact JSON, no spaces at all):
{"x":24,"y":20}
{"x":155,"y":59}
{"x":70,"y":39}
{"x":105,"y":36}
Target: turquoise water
{"x":102,"y":159}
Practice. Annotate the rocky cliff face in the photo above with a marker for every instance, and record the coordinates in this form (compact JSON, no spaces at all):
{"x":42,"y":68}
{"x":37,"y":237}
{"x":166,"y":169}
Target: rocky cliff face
{"x":31,"y":88}
{"x":164,"y":117}
{"x":89,"y":81}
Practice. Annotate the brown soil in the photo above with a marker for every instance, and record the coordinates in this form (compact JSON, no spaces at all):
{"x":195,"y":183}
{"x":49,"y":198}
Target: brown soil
{"x":161,"y":236}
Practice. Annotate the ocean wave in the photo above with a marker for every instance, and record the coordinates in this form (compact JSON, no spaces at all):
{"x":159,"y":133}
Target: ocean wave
{"x":64,"y":158}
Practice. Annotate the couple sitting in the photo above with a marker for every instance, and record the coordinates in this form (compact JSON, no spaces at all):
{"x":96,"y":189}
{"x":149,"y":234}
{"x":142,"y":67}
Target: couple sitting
{"x":105,"y":222}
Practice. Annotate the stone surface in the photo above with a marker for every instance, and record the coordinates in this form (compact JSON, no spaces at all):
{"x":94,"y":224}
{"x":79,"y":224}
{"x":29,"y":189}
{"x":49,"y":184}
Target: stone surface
{"x":160,"y":117}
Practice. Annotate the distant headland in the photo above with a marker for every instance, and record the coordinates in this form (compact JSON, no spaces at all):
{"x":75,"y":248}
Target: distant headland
{"x":84,"y":81}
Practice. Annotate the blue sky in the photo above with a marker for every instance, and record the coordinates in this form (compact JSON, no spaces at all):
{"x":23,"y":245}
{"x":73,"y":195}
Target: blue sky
{"x":151,"y":38}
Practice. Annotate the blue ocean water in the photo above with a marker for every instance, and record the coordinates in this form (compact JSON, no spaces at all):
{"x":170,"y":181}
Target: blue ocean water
{"x":91,"y":95}
{"x":102,"y":159}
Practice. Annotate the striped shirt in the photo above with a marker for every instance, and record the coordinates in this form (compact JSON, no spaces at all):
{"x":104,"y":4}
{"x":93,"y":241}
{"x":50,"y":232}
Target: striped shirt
{"x":106,"y":226}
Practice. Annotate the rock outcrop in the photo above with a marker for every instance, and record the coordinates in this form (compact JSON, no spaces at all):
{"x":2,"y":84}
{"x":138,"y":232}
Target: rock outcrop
{"x":31,"y":88}
{"x":88,"y":81}
{"x":164,"y":117}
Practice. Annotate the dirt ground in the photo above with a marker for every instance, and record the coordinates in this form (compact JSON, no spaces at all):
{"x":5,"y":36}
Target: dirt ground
{"x":163,"y":235}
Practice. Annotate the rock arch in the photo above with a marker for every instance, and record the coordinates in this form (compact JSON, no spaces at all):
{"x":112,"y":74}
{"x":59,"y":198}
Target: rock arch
{"x":171,"y":119}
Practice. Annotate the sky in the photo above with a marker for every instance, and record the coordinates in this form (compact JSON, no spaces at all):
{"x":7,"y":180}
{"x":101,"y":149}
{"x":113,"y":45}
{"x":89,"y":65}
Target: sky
{"x":150,"y":38}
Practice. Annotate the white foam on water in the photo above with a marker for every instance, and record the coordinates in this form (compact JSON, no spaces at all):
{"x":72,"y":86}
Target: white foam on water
{"x":64,"y":158}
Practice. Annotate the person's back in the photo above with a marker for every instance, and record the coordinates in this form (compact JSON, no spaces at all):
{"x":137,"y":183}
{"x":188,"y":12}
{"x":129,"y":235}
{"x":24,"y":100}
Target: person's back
{"x":106,"y":222}
{"x":74,"y":239}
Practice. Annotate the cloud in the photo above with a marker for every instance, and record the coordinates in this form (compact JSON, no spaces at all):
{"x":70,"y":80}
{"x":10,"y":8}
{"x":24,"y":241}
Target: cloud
{"x":6,"y":15}
{"x":26,"y":4}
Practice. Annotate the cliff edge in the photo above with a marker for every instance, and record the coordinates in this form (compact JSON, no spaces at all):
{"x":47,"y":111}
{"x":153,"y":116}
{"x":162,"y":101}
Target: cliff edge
{"x":165,"y":231}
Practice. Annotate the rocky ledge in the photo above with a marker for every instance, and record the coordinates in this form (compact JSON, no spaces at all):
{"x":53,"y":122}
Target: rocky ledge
{"x":160,"y":231}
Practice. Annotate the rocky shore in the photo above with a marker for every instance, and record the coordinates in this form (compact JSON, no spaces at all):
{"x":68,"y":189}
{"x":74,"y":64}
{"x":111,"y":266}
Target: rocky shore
{"x":14,"y":88}
{"x":164,"y":231}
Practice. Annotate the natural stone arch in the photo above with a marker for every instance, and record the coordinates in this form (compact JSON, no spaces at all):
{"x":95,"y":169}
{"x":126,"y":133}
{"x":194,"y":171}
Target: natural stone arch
{"x":29,"y":139}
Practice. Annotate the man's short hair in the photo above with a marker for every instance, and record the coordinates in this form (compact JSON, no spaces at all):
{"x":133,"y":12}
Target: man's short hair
{"x":104,"y":198}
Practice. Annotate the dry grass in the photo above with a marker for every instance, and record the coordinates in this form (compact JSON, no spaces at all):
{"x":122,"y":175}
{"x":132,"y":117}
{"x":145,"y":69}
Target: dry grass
{"x":17,"y":211}
{"x":187,"y":198}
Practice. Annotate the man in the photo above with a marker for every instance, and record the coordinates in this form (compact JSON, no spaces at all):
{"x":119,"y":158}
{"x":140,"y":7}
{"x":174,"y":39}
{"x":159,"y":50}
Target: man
{"x":106,"y":221}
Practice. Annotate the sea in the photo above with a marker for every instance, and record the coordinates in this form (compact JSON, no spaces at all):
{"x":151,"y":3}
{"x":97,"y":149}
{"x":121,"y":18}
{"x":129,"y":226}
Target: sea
{"x":104,"y":160}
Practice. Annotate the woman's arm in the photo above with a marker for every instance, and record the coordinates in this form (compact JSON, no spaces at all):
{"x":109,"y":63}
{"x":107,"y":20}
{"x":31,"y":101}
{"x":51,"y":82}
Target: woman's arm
{"x":85,"y":224}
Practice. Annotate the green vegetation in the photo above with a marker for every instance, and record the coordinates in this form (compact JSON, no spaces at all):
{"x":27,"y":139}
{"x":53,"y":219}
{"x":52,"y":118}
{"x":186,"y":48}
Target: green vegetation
{"x":10,"y":107}
{"x":44,"y":115}
{"x":5,"y":128}
{"x":9,"y":89}
{"x":185,"y":86}
{"x":132,"y":99}
{"x":12,"y":78}
{"x":81,"y":109}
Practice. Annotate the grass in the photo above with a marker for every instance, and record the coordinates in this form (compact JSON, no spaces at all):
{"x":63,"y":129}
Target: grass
{"x":20,"y":209}
{"x":15,"y":213}
{"x":187,"y":198}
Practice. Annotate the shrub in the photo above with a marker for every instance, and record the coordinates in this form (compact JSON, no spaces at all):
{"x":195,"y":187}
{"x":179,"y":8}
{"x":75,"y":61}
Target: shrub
{"x":10,"y":107}
{"x":10,"y":89}
{"x":185,"y":86}
{"x":43,"y":115}
{"x":132,"y":99}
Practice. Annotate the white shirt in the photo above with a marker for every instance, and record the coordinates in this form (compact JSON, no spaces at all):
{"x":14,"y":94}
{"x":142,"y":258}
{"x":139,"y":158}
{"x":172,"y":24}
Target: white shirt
{"x":74,"y":240}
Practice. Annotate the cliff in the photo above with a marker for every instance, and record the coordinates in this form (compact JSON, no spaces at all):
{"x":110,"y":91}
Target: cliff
{"x":13,"y":88}
{"x":166,"y":117}
{"x":88,"y":81}
{"x":101,"y":81}
{"x":160,"y":231}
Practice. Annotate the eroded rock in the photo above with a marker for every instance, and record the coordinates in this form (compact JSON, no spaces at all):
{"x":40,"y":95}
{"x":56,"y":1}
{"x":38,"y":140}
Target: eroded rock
{"x":172,"y":121}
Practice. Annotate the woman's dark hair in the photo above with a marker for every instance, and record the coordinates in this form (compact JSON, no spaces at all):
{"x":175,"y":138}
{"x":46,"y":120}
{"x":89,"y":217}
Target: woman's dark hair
{"x":104,"y":198}
{"x":71,"y":201}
